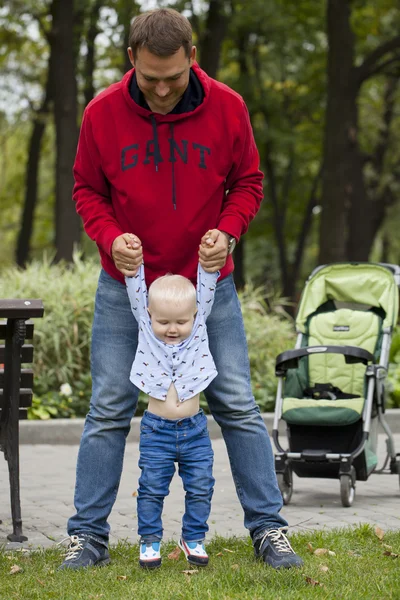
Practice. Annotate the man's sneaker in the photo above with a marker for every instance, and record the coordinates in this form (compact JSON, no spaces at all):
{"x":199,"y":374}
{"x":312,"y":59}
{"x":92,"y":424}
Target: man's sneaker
{"x":150,"y":555}
{"x":195,"y":552}
{"x":85,"y":551}
{"x":274,"y":548}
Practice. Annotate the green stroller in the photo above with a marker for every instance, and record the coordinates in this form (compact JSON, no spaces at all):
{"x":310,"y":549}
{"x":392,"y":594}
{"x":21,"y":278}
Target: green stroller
{"x":331,"y":387}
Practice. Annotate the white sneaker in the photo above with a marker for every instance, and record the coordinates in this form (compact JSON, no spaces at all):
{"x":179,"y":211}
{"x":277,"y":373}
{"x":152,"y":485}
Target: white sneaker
{"x":195,"y":552}
{"x":150,"y":555}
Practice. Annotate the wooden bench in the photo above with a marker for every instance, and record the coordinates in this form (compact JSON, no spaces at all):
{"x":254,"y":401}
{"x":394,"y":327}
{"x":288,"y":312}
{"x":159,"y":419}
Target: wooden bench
{"x":15,"y":390}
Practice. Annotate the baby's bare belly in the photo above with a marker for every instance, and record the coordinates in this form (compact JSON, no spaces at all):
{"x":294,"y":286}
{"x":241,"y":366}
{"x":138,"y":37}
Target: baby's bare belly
{"x":171,"y":408}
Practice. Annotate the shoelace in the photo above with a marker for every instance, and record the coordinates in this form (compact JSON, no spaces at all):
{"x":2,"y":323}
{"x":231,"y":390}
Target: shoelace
{"x":279,"y":540}
{"x":75,"y":544}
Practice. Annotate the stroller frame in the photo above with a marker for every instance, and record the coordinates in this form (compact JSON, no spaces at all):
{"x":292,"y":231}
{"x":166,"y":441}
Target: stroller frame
{"x":375,"y":398}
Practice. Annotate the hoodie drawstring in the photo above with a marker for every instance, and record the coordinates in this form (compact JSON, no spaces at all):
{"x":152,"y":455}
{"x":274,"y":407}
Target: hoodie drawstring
{"x":171,"y":129}
{"x":157,"y":153}
{"x":158,"y":157}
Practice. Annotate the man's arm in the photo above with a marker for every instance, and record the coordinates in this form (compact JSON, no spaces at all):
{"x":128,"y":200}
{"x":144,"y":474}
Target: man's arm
{"x":244,"y":182}
{"x":93,"y":203}
{"x":91,"y":191}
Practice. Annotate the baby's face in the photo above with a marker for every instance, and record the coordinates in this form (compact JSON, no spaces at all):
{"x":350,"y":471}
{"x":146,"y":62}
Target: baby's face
{"x":172,"y":322}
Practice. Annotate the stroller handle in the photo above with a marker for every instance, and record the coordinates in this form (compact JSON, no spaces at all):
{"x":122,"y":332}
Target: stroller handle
{"x":290,"y":358}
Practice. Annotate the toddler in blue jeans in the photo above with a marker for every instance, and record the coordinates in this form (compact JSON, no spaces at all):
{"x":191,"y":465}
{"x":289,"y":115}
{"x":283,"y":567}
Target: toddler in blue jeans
{"x":172,"y":366}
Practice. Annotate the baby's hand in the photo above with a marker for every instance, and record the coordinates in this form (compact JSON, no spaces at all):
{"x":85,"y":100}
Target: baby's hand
{"x":133,"y":243}
{"x":207,"y":242}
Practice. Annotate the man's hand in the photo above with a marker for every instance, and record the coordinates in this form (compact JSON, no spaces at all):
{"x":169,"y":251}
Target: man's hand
{"x":213,"y":250}
{"x":127,"y":254}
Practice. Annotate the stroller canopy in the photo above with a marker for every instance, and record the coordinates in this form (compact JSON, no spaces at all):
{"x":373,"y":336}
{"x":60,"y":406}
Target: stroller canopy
{"x":365,"y":284}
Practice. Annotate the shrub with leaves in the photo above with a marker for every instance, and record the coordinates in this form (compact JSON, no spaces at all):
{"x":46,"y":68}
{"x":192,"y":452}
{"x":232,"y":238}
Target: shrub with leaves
{"x":268,"y":333}
{"x":62,"y":337}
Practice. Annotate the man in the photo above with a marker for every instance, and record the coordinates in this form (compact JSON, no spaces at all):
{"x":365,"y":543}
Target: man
{"x":164,"y":156}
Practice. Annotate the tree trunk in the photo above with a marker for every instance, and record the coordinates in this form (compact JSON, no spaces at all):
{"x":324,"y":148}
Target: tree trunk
{"x":238,"y":257}
{"x":213,"y":37}
{"x":343,"y":194}
{"x":90,"y":37}
{"x":126,"y":12}
{"x":31,"y":188}
{"x":32,"y":167}
{"x":67,"y":230}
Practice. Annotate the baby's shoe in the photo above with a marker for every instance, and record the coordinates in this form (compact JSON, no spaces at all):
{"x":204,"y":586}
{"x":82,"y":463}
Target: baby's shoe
{"x":150,"y":555}
{"x":195,"y":552}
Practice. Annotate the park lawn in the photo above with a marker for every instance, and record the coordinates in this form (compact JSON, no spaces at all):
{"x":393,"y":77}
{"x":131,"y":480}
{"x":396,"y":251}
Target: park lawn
{"x":359,"y":565}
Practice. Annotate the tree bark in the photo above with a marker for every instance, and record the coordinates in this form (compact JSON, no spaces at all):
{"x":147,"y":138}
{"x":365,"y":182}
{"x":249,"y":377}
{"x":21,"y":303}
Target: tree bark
{"x":31,"y":186}
{"x":125,"y":14}
{"x":238,"y":257}
{"x":67,"y":223}
{"x":32,"y":167}
{"x":343,"y":192}
{"x":91,"y":35}
{"x":213,"y":37}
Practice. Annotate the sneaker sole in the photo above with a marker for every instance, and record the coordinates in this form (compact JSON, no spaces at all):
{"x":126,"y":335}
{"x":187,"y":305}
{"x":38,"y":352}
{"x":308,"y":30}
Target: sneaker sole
{"x":193,"y":560}
{"x":278,"y":566}
{"x":71,"y":567}
{"x":150,"y":564}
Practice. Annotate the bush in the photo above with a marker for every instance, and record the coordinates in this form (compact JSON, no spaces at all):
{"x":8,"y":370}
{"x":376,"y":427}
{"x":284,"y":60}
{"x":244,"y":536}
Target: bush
{"x":62,"y":338}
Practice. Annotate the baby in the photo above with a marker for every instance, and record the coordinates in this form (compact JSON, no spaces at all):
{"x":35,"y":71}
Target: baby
{"x":172,"y":366}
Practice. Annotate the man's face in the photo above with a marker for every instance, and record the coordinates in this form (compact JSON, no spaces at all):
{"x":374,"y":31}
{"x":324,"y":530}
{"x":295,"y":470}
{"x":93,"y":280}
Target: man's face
{"x":163,"y":80}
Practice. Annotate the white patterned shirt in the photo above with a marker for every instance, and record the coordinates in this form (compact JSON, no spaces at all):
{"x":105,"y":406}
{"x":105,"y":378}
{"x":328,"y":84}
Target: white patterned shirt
{"x":189,"y":364}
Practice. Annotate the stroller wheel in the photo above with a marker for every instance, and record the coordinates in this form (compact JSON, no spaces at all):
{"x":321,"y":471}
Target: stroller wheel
{"x":285,"y":482}
{"x":348,"y":488}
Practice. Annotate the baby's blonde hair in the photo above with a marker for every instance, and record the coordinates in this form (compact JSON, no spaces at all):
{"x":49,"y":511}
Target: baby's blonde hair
{"x":172,"y":288}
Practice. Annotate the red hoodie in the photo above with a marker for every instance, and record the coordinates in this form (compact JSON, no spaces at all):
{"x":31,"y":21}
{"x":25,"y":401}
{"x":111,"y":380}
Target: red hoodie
{"x":166,"y":178}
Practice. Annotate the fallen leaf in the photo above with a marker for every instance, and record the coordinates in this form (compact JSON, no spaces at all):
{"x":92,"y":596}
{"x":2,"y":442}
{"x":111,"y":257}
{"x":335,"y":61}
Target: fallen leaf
{"x":227,"y":550}
{"x":309,"y":547}
{"x":134,"y":494}
{"x":324,"y":568}
{"x":174,"y":555}
{"x":392,"y":554}
{"x":312,"y":581}
{"x":331,"y":553}
{"x":190,"y":571}
{"x":220,"y":554}
{"x":122,"y":577}
{"x":320,"y":551}
{"x":379,"y":533}
{"x":41,"y":582}
{"x":15,"y":569}
{"x":387,"y":546}
{"x":234,"y":567}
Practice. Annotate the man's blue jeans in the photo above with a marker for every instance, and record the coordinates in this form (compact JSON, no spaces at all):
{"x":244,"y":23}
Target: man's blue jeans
{"x":114,"y":400}
{"x":162,"y":443}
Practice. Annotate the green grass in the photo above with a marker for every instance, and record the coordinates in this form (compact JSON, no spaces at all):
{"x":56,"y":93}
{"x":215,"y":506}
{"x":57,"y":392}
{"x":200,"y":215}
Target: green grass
{"x":358,"y":569}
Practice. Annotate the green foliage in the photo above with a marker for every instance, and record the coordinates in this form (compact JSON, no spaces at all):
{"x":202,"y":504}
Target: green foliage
{"x":62,"y":336}
{"x":394,"y":372}
{"x":267,"y":336}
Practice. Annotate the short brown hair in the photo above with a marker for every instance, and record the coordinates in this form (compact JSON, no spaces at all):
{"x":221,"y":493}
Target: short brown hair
{"x":162,"y":31}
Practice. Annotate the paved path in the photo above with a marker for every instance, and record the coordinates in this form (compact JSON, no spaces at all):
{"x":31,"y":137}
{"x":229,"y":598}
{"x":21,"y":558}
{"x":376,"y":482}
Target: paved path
{"x":47,"y":485}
